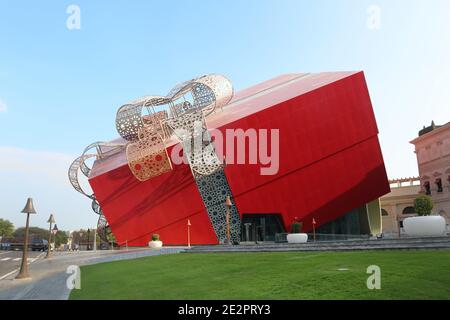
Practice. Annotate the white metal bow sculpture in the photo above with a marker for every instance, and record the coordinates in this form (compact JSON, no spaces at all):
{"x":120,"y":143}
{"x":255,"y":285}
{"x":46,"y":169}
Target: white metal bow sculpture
{"x":182,"y":113}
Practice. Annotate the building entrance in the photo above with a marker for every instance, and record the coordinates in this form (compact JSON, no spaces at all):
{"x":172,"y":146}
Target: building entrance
{"x":261,"y":227}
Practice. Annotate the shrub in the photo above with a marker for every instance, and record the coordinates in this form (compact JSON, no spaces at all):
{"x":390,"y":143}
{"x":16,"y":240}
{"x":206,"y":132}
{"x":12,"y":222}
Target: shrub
{"x":423,"y":205}
{"x":155,"y":237}
{"x":296,"y":227}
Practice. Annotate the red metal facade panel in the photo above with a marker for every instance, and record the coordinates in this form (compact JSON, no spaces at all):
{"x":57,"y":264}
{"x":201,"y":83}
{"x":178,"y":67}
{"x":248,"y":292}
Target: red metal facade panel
{"x":330,"y":159}
{"x":323,"y":190}
{"x":330,"y":162}
{"x":162,"y":205}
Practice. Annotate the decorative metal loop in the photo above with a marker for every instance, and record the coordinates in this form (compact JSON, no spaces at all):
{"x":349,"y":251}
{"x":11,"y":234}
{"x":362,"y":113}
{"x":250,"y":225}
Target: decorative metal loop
{"x":103,"y":229}
{"x":96,"y":207}
{"x":84,"y":168}
{"x":208,"y":92}
{"x":73,"y":174}
{"x":221,"y":87}
{"x":129,"y":118}
{"x":148,"y":158}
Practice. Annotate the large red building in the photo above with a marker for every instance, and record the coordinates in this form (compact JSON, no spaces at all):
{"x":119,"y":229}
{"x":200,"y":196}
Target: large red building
{"x":330,"y":164}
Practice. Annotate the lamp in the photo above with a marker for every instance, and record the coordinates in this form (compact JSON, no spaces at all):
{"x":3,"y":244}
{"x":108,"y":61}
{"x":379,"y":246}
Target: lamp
{"x":54,"y":231}
{"x":88,"y":244}
{"x":228,"y":202}
{"x":29,"y":209}
{"x":79,"y":240}
{"x":50,"y":220}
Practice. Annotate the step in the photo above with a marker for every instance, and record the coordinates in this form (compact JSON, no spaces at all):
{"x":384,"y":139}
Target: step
{"x":349,"y":242}
{"x":306,"y":249}
{"x":260,"y":247}
{"x":391,"y":244}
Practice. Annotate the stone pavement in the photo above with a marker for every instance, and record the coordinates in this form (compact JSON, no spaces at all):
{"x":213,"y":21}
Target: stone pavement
{"x":49,"y":275}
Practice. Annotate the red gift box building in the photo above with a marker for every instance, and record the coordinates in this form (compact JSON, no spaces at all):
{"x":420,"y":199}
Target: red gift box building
{"x":330,"y":167}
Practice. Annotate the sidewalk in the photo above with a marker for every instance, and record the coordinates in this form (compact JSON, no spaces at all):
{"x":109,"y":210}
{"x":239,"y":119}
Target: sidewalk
{"x":49,"y":275}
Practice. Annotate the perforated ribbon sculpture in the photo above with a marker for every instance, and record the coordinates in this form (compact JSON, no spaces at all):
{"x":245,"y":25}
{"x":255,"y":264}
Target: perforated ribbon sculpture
{"x":182,"y":114}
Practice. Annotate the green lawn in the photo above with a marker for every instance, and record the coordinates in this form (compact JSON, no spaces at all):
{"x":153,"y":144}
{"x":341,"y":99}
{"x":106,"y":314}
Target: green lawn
{"x":404,"y":275}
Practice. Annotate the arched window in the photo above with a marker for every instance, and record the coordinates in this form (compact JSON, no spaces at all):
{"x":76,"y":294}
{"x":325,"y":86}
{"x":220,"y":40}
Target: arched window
{"x":439,"y":185}
{"x":384,"y":213}
{"x":427,"y":187}
{"x":409,"y":210}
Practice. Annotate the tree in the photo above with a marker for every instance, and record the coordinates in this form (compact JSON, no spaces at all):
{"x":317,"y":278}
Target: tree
{"x":81,"y":237}
{"x":6,"y":228}
{"x":34,"y":232}
{"x":39,"y":233}
{"x":60,"y":238}
{"x":423,"y":205}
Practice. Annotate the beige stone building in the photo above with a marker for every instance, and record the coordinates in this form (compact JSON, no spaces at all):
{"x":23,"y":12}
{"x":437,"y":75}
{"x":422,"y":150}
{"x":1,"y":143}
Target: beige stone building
{"x":432,"y":148}
{"x":398,"y":204}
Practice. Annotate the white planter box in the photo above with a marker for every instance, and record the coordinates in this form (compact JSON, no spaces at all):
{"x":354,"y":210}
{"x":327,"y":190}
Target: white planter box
{"x":425,"y":226}
{"x":155,"y":244}
{"x":297,"y":238}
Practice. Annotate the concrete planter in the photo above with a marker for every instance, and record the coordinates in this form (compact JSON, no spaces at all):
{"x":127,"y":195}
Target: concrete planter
{"x":297,"y":238}
{"x":425,"y":226}
{"x":155,"y":244}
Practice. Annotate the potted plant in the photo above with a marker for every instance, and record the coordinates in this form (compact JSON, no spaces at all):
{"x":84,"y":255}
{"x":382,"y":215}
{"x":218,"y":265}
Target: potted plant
{"x":425,"y":225}
{"x":296,"y":236}
{"x":155,"y":243}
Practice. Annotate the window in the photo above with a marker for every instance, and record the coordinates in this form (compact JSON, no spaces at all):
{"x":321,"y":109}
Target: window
{"x":439,"y":185}
{"x":384,"y":213}
{"x":409,"y":210}
{"x":427,"y":187}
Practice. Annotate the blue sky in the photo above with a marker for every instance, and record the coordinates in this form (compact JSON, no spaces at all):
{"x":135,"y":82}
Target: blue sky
{"x":60,"y":88}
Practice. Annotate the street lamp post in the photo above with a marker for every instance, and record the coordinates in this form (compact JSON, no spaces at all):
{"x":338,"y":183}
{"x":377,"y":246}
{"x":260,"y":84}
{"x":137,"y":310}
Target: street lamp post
{"x":88,"y":244}
{"x":79,"y":240}
{"x":29,"y":209}
{"x":50,"y":220}
{"x":189,"y":233}
{"x":314,"y":229}
{"x":70,"y":246}
{"x":54,"y":231}
{"x":228,"y":204}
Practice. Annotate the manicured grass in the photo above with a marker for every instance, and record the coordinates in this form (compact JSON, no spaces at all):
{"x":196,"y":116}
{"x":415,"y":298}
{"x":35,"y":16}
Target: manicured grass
{"x":404,"y":275}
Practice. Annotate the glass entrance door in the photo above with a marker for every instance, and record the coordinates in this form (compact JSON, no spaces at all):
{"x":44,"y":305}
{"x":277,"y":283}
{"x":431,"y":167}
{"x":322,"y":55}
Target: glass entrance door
{"x":260,"y":227}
